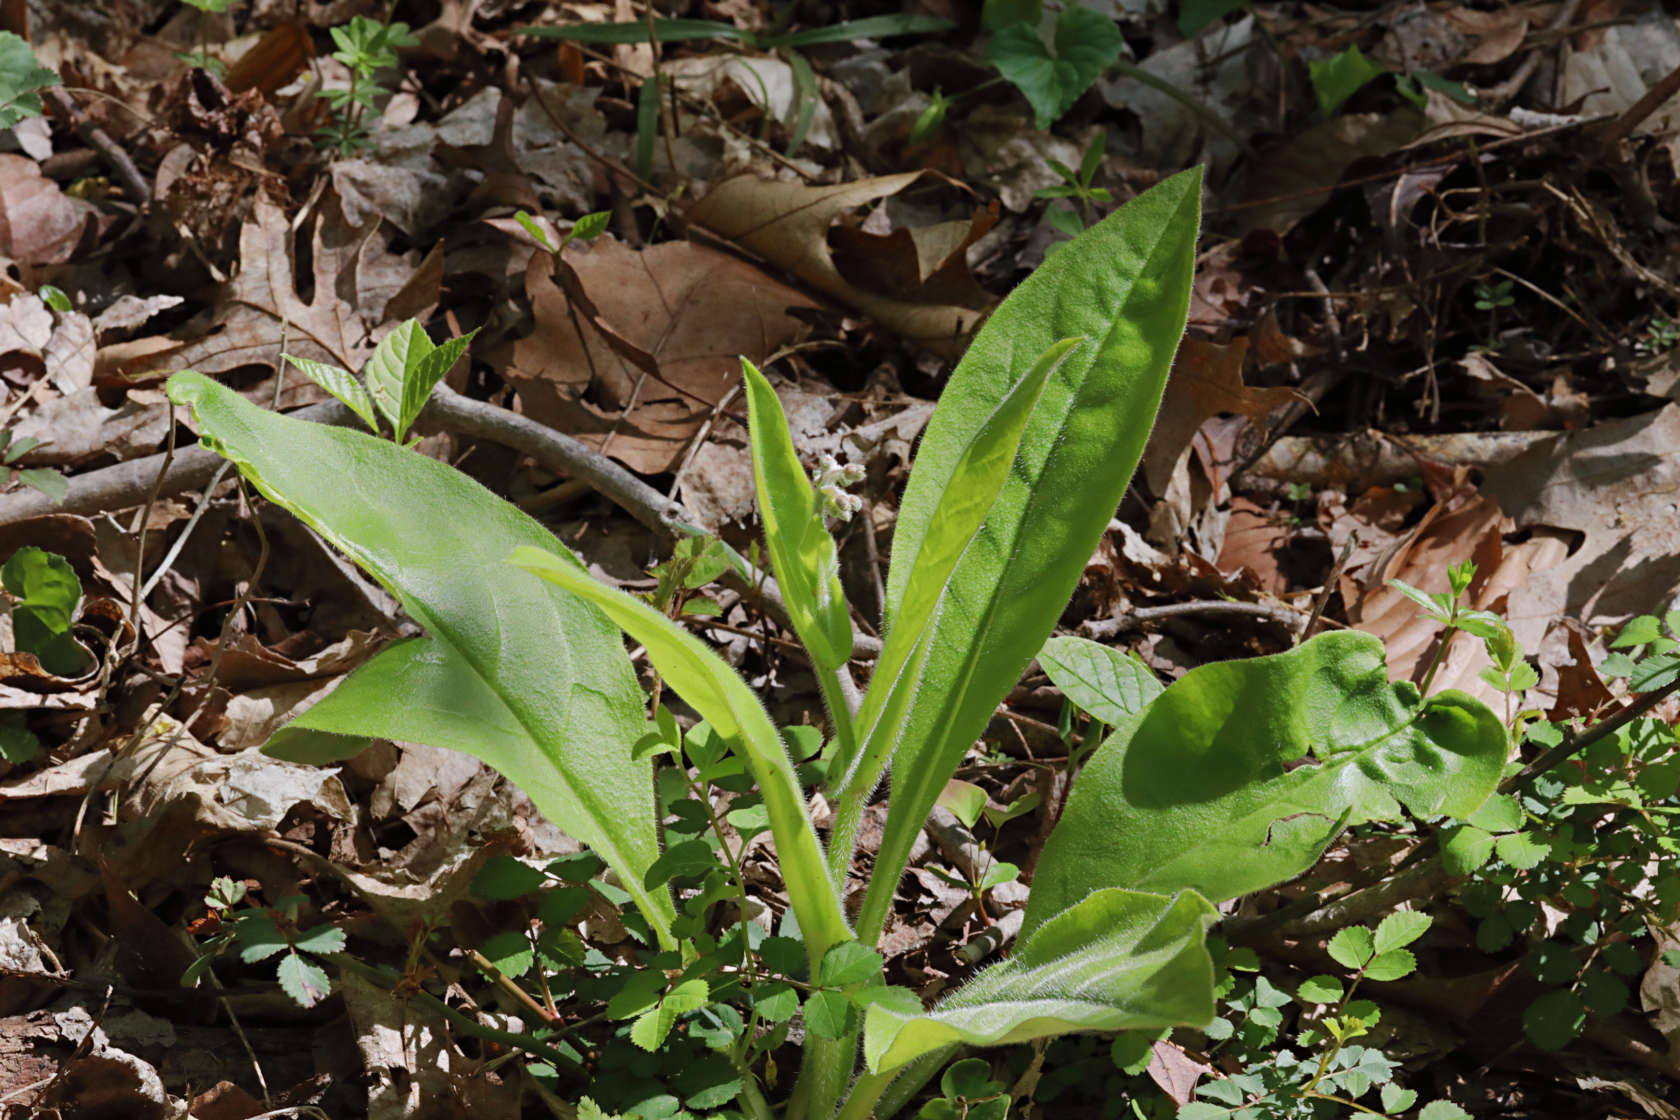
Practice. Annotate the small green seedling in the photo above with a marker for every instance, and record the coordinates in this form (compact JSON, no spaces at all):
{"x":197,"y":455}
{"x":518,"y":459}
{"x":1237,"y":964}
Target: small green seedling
{"x":365,"y":47}
{"x":22,"y":78}
{"x":399,"y":378}
{"x":1077,"y":185}
{"x":44,"y":594}
{"x":201,"y":57}
{"x":259,"y":933}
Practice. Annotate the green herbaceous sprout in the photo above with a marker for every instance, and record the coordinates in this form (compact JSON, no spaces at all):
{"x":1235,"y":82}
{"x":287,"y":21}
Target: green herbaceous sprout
{"x":365,"y":47}
{"x":1190,"y":801}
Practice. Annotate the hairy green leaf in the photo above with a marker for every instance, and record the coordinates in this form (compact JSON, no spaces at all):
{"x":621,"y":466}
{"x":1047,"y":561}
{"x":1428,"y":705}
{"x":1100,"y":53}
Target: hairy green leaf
{"x":1125,"y":285}
{"x":511,"y":670}
{"x":1119,"y":960}
{"x":981,"y":472}
{"x":1240,"y":774}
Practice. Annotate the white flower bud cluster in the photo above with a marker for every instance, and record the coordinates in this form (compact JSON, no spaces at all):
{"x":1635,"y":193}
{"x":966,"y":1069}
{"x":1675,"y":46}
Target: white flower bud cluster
{"x":831,"y":480}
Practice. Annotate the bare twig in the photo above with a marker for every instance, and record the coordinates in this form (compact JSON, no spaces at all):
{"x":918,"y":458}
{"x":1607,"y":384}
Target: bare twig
{"x":134,"y":184}
{"x":1329,"y":587}
{"x":1640,"y":111}
{"x":129,"y":483}
{"x":1108,"y":627}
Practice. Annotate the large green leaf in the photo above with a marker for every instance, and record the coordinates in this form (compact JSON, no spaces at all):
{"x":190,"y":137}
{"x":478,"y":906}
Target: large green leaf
{"x":1119,"y":960}
{"x":512,"y":671}
{"x":1240,"y":774}
{"x":1087,"y":43}
{"x":717,"y":692}
{"x":801,"y":550}
{"x":981,"y":472}
{"x":1125,"y":285}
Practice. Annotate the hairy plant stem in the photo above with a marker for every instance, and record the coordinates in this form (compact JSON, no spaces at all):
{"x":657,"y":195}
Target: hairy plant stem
{"x":843,"y":705}
{"x":823,"y":1072}
{"x":866,"y":1090}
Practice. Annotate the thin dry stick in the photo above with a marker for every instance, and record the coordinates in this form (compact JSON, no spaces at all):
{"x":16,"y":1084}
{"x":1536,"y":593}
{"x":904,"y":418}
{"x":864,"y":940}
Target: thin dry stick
{"x":1329,"y":587}
{"x":134,"y":184}
{"x":128,"y":483}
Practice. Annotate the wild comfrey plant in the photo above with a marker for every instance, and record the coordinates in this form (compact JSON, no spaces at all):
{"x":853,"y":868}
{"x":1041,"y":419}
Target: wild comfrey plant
{"x":1202,"y":793}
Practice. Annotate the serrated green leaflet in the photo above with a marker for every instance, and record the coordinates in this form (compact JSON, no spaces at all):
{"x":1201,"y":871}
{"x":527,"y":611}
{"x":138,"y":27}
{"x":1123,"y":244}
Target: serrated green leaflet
{"x":515,"y":672}
{"x":1125,"y":285}
{"x":341,"y":383}
{"x":1108,"y":685}
{"x":1240,"y":774}
{"x":420,"y":377}
{"x":22,"y":78}
{"x":1120,"y":960}
{"x":387,"y":369}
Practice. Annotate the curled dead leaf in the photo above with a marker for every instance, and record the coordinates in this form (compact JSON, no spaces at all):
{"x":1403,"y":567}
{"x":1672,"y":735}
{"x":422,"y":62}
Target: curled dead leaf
{"x":638,"y":364}
{"x":788,"y":225}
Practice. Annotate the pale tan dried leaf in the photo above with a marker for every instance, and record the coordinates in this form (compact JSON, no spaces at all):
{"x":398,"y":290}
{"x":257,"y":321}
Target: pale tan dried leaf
{"x":259,"y":312}
{"x":693,"y":311}
{"x":1618,"y":487}
{"x":787,"y":224}
{"x":39,"y":224}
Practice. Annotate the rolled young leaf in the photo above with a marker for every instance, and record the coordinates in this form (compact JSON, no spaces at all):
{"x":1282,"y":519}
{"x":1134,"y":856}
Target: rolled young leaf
{"x":512,"y":671}
{"x":1242,"y":772}
{"x":1124,"y":284}
{"x":1119,"y":960}
{"x":802,"y":553}
{"x":717,"y":692}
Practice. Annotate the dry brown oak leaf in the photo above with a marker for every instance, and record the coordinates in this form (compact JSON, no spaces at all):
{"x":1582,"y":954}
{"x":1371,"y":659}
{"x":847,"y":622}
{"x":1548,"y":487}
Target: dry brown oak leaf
{"x":359,"y":288}
{"x":694,"y":311}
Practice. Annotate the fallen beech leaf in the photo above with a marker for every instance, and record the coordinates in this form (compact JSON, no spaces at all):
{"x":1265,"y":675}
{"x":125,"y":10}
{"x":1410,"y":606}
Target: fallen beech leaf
{"x":927,"y":263}
{"x":788,"y":225}
{"x":279,"y":56}
{"x":1206,"y":380}
{"x":1463,"y":524}
{"x":1581,"y":692}
{"x":1254,"y":539}
{"x":1175,"y":1072}
{"x":690,"y":312}
{"x":39,"y":224}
